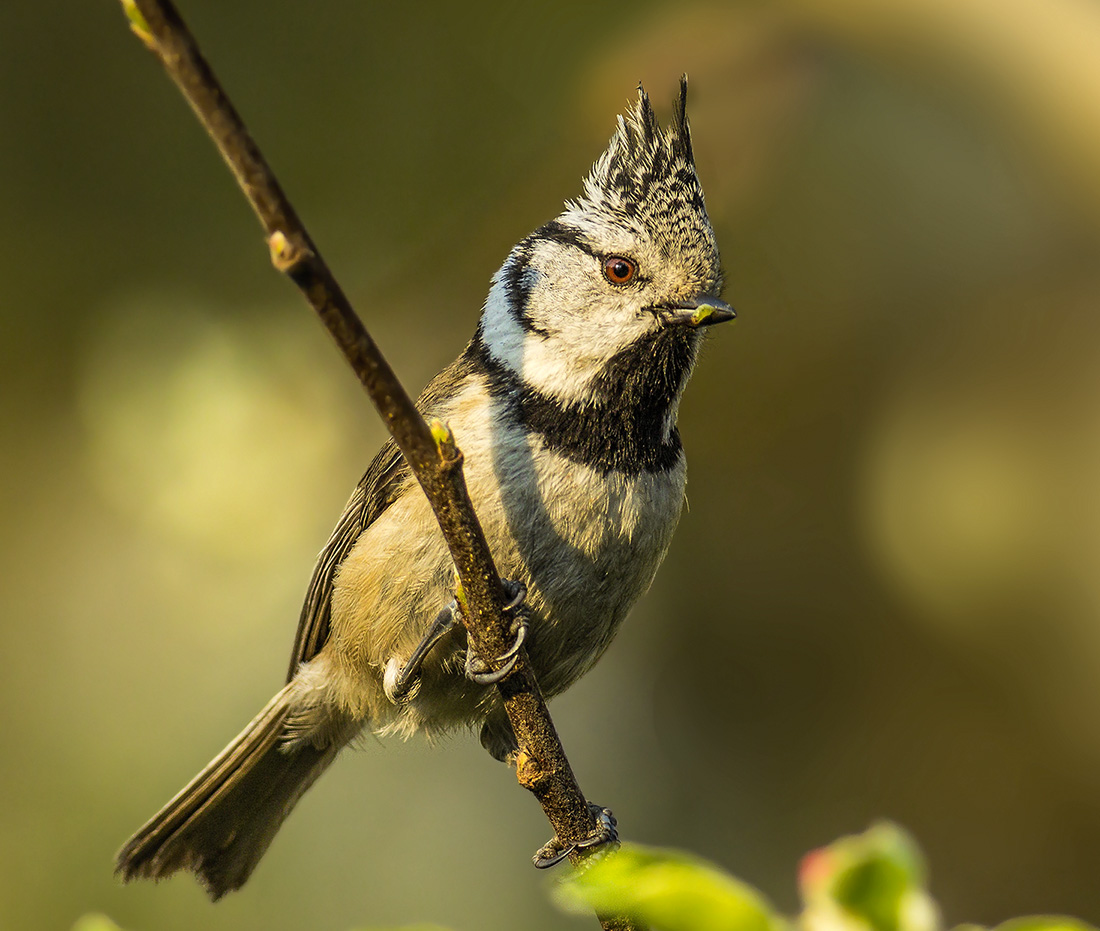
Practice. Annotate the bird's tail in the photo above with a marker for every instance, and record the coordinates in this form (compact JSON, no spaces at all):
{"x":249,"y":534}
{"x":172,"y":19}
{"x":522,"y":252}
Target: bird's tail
{"x":222,"y":821}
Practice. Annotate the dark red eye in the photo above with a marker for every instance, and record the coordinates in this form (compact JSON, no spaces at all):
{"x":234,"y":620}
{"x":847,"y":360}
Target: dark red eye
{"x":619,"y":270}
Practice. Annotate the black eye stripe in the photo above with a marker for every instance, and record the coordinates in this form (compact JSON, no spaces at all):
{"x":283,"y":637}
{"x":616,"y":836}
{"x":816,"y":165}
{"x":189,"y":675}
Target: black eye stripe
{"x":567,"y":235}
{"x":556,"y":231}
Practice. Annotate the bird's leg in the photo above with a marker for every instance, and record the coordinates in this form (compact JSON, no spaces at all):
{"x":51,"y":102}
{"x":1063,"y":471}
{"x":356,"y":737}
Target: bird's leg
{"x":399,"y":682}
{"x":477,"y":670}
{"x":554,"y":851}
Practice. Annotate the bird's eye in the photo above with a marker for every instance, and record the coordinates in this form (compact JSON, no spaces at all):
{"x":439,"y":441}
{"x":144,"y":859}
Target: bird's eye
{"x":619,"y":270}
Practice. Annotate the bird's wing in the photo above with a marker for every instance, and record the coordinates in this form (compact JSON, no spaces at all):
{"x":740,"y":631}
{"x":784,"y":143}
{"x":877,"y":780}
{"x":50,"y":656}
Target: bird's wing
{"x":385,"y":480}
{"x":376,"y":491}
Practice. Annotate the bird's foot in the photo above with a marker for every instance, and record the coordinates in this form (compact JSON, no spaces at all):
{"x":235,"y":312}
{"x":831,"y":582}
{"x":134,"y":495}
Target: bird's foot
{"x":554,"y":851}
{"x":477,"y":670}
{"x":401,"y":680}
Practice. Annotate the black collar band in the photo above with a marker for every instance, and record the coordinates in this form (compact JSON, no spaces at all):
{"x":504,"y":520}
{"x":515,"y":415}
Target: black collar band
{"x":621,"y":429}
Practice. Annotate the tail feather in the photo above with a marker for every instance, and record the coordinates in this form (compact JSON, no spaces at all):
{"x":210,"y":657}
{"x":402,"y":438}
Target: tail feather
{"x":222,"y":821}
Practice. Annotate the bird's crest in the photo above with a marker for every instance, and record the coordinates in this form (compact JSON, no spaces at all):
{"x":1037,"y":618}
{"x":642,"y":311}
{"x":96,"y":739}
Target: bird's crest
{"x":647,"y":178}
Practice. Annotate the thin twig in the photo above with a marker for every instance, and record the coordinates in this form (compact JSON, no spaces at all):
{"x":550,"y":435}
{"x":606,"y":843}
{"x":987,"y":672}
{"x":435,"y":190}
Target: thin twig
{"x":432,"y":455}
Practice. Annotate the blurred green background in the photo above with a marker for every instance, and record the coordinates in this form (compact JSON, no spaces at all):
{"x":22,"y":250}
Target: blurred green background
{"x":884,"y":599}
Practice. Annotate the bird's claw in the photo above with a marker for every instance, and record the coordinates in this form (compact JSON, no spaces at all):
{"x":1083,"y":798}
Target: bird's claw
{"x":554,"y":851}
{"x":401,"y":680}
{"x":482,"y":673}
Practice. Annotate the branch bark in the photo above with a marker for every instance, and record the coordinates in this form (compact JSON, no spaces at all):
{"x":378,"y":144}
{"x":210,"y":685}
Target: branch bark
{"x":431,"y":452}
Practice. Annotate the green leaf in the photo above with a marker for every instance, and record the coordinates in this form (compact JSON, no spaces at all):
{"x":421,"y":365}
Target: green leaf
{"x":670,"y":890}
{"x":868,"y":882}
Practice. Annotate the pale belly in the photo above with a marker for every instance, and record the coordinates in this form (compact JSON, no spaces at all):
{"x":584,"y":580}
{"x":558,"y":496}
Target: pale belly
{"x":585,"y":544}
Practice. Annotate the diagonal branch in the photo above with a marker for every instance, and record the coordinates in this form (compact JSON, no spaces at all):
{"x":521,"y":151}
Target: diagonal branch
{"x":434,"y":458}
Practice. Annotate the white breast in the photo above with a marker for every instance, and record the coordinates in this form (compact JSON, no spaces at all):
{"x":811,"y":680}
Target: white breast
{"x":586,"y":545}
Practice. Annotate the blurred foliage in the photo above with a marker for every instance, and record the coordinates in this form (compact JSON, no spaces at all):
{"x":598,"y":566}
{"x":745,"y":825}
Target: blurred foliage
{"x":875,"y":881}
{"x":884,"y":598}
{"x":869,"y":882}
{"x":665,"y":890}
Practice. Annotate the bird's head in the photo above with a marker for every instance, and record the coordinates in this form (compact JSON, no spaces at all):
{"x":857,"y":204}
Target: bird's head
{"x":627,"y":274}
{"x":629,"y":271}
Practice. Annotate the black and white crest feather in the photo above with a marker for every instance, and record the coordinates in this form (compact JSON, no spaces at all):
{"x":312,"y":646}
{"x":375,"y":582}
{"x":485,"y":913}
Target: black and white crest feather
{"x":646,"y":179}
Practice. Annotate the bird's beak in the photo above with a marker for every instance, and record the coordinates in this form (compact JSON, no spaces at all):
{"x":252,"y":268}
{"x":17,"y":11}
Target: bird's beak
{"x":696,"y":312}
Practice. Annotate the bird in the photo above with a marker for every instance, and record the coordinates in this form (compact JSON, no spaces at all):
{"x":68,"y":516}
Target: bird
{"x":565,"y":404}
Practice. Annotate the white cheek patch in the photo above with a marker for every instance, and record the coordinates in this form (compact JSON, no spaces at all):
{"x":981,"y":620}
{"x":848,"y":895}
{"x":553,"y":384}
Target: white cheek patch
{"x":542,"y":362}
{"x":572,"y":338}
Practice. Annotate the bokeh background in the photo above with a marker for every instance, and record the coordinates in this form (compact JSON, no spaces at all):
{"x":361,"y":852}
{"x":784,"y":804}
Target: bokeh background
{"x":884,"y":599}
